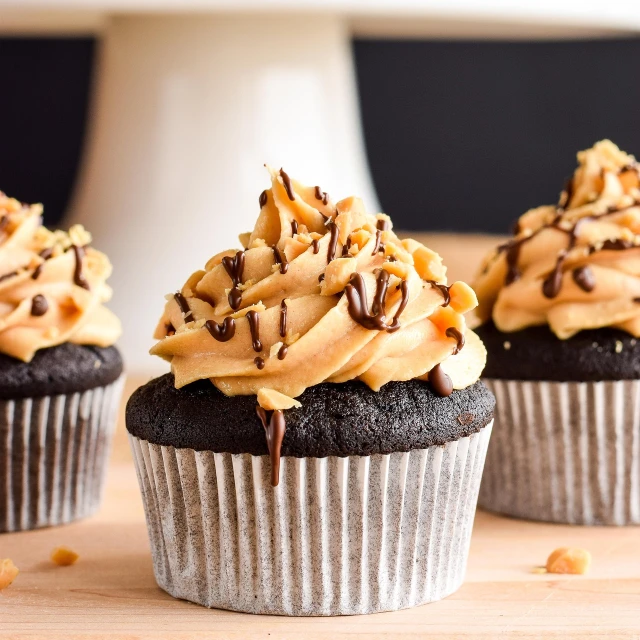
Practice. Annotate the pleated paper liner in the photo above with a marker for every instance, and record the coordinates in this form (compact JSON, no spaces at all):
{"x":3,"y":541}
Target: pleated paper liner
{"x":566,"y":452}
{"x":53,"y":456}
{"x":336,"y":536}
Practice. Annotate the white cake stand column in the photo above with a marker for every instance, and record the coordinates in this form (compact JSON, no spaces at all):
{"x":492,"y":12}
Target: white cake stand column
{"x":186,"y":112}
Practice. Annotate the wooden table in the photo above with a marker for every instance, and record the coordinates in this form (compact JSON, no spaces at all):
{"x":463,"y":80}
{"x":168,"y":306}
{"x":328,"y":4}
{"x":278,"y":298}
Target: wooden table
{"x":111,"y":592}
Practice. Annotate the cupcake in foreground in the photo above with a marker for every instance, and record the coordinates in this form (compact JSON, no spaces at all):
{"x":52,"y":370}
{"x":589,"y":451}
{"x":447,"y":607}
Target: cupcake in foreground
{"x":318,"y":446}
{"x":59,"y":375}
{"x":560,"y":304}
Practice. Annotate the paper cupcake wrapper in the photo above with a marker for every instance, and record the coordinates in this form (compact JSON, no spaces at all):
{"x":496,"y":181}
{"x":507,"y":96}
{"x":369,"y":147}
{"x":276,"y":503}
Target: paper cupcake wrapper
{"x":565,"y":452}
{"x":337,"y":536}
{"x":53,"y":456}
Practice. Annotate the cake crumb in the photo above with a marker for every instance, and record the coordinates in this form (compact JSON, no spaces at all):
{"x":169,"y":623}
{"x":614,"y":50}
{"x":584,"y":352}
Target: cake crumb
{"x":569,"y":560}
{"x":539,"y":570}
{"x":633,"y":342}
{"x":619,"y":346}
{"x":63,"y":556}
{"x":507,"y":345}
{"x":594,"y":345}
{"x":8,"y":572}
{"x":97,"y":364}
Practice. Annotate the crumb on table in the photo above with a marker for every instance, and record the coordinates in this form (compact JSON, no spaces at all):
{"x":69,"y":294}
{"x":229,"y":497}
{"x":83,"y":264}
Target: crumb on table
{"x":569,"y":560}
{"x":63,"y":556}
{"x":8,"y":572}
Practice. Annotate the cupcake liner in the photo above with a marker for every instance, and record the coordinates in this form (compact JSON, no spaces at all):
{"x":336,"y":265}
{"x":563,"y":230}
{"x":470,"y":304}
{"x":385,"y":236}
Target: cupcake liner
{"x":53,"y":456}
{"x":565,"y":452}
{"x":336,"y":536}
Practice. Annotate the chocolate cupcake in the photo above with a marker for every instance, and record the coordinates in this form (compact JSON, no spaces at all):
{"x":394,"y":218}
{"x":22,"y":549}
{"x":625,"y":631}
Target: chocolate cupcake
{"x":60,"y":378}
{"x":560,"y":304}
{"x":318,"y":446}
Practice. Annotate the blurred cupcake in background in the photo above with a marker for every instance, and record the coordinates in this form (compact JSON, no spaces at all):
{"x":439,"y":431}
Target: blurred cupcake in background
{"x":318,"y":446}
{"x":560,"y":304}
{"x":60,"y":376}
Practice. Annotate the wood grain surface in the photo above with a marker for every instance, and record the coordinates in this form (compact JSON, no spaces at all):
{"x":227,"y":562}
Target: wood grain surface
{"x":111,"y":593}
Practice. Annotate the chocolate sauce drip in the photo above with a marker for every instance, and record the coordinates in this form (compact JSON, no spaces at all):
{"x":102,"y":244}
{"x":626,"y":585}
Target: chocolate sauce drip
{"x":78,"y":276}
{"x":583,"y":277}
{"x":259,"y":362}
{"x":274,"y":428}
{"x":614,"y":245}
{"x":443,"y":289}
{"x":280,"y":259}
{"x":375,"y":319}
{"x":345,"y":248}
{"x":568,"y":193}
{"x":378,"y":245}
{"x":4,"y":223}
{"x":392,"y":259}
{"x":440,"y":382}
{"x":333,"y":241}
{"x":316,"y":246}
{"x":553,"y":282}
{"x":6,"y":276}
{"x":254,"y":326}
{"x":222,"y":331}
{"x":395,"y":324}
{"x":512,"y":255}
{"x":294,"y":227}
{"x":322,"y":195}
{"x":263,"y":199}
{"x":184,"y":306}
{"x":282,"y":352}
{"x":321,"y":277}
{"x":283,"y":319}
{"x":170,"y":329}
{"x":286,"y":181}
{"x":234,"y":268}
{"x":382,"y":225}
{"x":45,"y":254}
{"x":454,"y":333}
{"x":39,"y":305}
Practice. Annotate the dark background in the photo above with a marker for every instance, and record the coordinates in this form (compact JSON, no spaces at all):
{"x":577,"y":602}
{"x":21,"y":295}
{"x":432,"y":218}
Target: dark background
{"x":460,"y":135}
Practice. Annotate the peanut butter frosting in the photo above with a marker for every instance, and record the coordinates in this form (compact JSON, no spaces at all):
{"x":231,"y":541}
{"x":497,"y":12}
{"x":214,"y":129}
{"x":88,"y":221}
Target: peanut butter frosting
{"x":320,"y":292}
{"x":52,"y":285}
{"x":574,"y":265}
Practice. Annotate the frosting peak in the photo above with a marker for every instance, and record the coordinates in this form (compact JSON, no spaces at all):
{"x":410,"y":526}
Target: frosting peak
{"x":574,"y":265}
{"x":52,"y":285}
{"x":321,"y":292}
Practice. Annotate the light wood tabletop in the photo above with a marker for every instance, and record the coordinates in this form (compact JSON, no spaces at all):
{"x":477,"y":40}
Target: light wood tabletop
{"x":111,"y":592}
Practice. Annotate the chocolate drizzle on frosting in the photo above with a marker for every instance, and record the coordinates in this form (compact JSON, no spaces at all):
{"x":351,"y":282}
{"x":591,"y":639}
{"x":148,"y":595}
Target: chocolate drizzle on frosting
{"x":254,"y":326}
{"x":274,"y":428}
{"x":45,"y":254}
{"x":444,"y":290}
{"x":283,"y":319}
{"x":294,"y":227}
{"x":6,"y":276}
{"x":280,"y":259}
{"x":282,"y":352}
{"x":583,"y":277}
{"x":78,"y":276}
{"x":184,"y":306}
{"x":454,"y":333}
{"x":263,"y":199}
{"x":345,"y":248}
{"x":222,"y":331}
{"x":286,"y":181}
{"x":378,"y":246}
{"x":234,"y":268}
{"x":440,"y":382}
{"x":382,"y":224}
{"x":316,"y":246}
{"x":375,"y":319}
{"x":333,"y":241}
{"x":259,"y":362}
{"x":322,"y":195}
{"x":39,"y":305}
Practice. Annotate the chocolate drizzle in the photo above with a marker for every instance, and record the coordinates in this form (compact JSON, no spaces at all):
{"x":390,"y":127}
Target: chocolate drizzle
{"x":613,"y":245}
{"x":345,"y":248}
{"x":378,"y":246}
{"x":375,"y":319}
{"x":39,"y":305}
{"x":316,"y":246}
{"x":553,"y":282}
{"x":274,"y":428}
{"x":254,"y":326}
{"x":78,"y":276}
{"x":45,"y":254}
{"x":263,"y":199}
{"x":454,"y":333}
{"x":282,"y":352}
{"x":6,"y":276}
{"x":321,"y":277}
{"x":583,"y":277}
{"x":170,"y":329}
{"x":333,"y":241}
{"x":443,"y":289}
{"x":294,"y":227}
{"x":382,"y":224}
{"x":440,"y":382}
{"x":286,"y":181}
{"x":280,"y":259}
{"x":4,"y":223}
{"x":184,"y":306}
{"x":322,"y":196}
{"x":234,"y":268}
{"x":259,"y":362}
{"x":283,"y":319}
{"x":222,"y":331}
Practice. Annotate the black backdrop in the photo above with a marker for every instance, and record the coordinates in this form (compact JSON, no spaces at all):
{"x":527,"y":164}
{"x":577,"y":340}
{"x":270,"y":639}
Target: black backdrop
{"x":460,"y":135}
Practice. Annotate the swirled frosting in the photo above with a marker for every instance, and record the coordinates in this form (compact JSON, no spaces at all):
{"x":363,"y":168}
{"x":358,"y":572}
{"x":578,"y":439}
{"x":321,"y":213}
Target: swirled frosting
{"x":52,"y":285}
{"x":574,"y":265}
{"x":321,"y":292}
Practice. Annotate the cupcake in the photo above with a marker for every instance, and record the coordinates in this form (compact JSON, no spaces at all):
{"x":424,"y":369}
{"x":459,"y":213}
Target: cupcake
{"x":60,"y":378}
{"x":560,"y":303}
{"x":318,"y":446}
